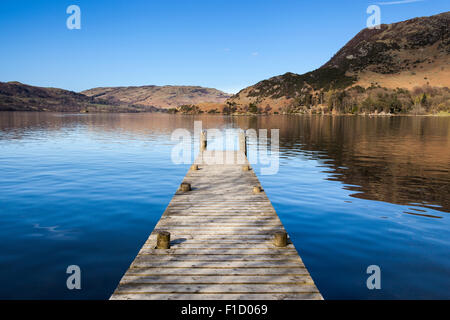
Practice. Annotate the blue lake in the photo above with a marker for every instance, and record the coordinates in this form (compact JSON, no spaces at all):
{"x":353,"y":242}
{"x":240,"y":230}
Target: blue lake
{"x":352,"y":192}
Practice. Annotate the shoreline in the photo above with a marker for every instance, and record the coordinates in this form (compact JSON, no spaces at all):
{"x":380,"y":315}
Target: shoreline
{"x":441,"y":114}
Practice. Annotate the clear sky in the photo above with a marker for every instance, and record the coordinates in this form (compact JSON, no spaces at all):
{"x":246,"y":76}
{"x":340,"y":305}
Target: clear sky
{"x":225,"y":44}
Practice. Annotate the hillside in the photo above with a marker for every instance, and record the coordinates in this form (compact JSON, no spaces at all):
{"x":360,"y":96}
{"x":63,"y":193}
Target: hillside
{"x":413,"y":55}
{"x":15,"y":96}
{"x":165,"y":97}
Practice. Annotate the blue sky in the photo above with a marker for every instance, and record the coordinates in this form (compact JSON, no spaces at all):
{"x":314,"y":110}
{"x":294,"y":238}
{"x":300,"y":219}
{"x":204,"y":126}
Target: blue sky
{"x":225,"y":44}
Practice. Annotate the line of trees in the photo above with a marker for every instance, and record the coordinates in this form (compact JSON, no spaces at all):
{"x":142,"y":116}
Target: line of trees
{"x":375,"y":99}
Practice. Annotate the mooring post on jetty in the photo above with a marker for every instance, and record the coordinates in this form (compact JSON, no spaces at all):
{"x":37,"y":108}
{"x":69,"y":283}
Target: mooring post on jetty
{"x":280,"y":239}
{"x":243,"y":142}
{"x":163,"y":240}
{"x":219,"y":239}
{"x":203,"y":141}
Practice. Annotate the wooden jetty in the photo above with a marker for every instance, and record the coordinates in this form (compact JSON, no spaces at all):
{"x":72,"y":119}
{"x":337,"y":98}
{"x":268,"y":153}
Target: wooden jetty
{"x":226,"y":241}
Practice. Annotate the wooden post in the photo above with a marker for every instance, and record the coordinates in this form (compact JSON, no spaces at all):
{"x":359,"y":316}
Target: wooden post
{"x":280,"y":239}
{"x":257,"y":189}
{"x":243,"y":142}
{"x":185,"y":187}
{"x":246,"y":167}
{"x":194,"y":167}
{"x":163,"y":240}
{"x":203,"y":141}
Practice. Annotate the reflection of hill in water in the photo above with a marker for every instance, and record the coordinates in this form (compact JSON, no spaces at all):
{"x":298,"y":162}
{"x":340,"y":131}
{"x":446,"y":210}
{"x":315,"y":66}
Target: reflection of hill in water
{"x":394,"y":159}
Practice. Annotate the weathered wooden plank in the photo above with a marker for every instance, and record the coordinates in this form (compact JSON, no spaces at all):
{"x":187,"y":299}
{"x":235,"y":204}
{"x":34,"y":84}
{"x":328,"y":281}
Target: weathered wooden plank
{"x":221,"y":296}
{"x":243,"y":221}
{"x":221,"y":246}
{"x":219,"y":239}
{"x":224,"y":229}
{"x":215,"y":238}
{"x":176,"y":238}
{"x":228,"y":218}
{"x":214,"y":264}
{"x":171,"y":279}
{"x":228,"y":272}
{"x":170,"y":258}
{"x":224,"y":219}
{"x":223,"y":232}
{"x":250,"y":206}
{"x":209,"y":251}
{"x":215,"y":288}
{"x":222,"y":208}
{"x":225,"y":213}
{"x":250,"y":200}
{"x":222,"y":222}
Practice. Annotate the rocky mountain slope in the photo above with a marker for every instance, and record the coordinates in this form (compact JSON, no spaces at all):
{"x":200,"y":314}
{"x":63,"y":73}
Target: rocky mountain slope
{"x":405,"y":55}
{"x":164,"y":97}
{"x":16,"y":96}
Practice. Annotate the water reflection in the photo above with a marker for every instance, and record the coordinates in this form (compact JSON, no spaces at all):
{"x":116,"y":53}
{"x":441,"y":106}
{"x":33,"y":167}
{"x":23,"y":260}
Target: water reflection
{"x":402,"y":160}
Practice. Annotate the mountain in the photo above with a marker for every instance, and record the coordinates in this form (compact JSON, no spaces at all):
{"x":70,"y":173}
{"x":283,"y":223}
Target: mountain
{"x":165,"y":97}
{"x":409,"y":54}
{"x":16,"y":96}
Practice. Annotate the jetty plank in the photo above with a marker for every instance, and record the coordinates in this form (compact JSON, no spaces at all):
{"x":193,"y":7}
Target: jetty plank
{"x":221,"y":243}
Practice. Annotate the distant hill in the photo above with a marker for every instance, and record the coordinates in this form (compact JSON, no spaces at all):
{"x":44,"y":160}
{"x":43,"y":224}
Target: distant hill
{"x":409,"y":54}
{"x":165,"y":97}
{"x":16,"y":96}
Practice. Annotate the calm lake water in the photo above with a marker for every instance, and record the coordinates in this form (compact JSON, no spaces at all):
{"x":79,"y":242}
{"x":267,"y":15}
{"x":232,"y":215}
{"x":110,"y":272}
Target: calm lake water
{"x":351,"y":191}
